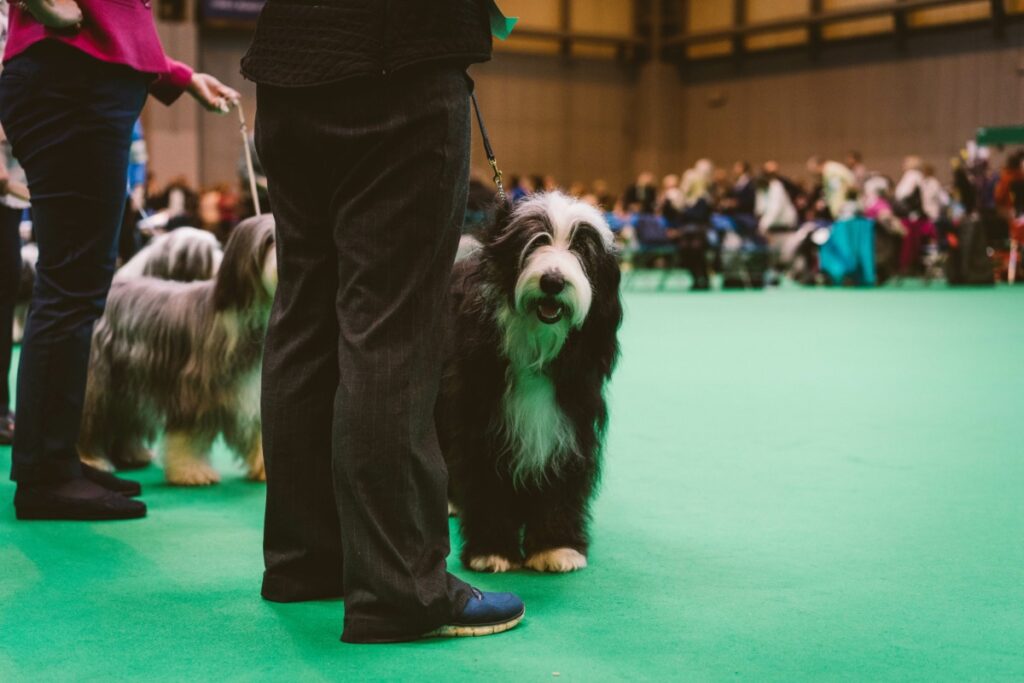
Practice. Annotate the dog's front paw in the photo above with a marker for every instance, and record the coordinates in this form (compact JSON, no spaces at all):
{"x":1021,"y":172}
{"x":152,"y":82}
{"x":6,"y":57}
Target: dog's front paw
{"x":496,"y":564}
{"x":558,"y":560}
{"x":191,"y":473}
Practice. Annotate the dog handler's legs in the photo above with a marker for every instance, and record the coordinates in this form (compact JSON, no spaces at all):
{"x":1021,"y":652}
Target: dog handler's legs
{"x":396,"y":232}
{"x":69,"y":120}
{"x":302,"y":537}
{"x":384,"y":162}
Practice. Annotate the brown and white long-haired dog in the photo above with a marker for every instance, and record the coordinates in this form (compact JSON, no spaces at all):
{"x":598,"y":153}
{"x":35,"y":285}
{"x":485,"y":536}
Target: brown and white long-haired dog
{"x":185,"y":254}
{"x":184,"y":358}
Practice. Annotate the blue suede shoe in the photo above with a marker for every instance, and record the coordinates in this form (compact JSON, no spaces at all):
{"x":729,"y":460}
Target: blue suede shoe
{"x":484,"y":615}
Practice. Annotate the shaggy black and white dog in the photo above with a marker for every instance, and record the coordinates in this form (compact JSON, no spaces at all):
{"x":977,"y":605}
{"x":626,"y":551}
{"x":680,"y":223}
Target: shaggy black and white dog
{"x":532,"y":341}
{"x":185,"y":255}
{"x":184,"y":358}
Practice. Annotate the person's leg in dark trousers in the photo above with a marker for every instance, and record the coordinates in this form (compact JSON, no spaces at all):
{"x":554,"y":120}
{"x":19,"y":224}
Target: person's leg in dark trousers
{"x":69,"y":119}
{"x":10,"y":275}
{"x":377,"y":169}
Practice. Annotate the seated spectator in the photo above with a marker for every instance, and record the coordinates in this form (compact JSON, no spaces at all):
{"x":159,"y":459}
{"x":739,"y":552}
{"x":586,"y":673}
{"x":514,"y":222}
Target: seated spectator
{"x":640,"y":192}
{"x":909,"y":207}
{"x":797,"y":193}
{"x":740,"y":203}
{"x":773,"y":207}
{"x":522,"y":187}
{"x":934,"y":198}
{"x":1009,"y":191}
{"x":605,"y":199}
{"x":855,"y":162}
{"x":835,"y":181}
{"x":671,"y":204}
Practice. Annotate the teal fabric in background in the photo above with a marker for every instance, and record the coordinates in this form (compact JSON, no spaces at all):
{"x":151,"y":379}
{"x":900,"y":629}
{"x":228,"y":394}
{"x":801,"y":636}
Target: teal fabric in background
{"x":850,"y":252}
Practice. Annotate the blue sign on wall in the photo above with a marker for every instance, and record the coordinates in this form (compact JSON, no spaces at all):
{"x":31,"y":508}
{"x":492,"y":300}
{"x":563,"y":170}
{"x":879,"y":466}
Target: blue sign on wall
{"x":232,"y":10}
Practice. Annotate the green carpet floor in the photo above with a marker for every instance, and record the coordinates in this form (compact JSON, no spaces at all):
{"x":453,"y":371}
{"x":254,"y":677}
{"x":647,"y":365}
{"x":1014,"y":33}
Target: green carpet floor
{"x":800,"y":485}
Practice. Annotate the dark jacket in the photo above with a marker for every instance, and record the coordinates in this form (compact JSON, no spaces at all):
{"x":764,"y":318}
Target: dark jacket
{"x":313,"y":42}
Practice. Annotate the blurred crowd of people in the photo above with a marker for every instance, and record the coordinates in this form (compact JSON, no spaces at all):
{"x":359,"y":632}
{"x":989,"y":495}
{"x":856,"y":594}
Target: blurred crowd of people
{"x":751,"y":224}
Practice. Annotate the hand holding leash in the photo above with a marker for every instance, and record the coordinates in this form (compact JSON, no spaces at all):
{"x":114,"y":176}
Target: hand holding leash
{"x":212,"y":94}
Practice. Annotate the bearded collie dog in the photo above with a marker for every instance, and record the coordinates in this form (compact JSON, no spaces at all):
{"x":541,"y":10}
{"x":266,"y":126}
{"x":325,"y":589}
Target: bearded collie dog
{"x":184,"y":359}
{"x":184,"y":254}
{"x":531,"y":343}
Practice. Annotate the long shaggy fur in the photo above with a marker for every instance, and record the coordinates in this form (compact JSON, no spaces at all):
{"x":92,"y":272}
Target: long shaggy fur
{"x":185,"y":255}
{"x":521,"y":415}
{"x":184,"y":359}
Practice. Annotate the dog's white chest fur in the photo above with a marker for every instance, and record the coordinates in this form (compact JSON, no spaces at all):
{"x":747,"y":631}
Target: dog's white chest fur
{"x":538,"y":432}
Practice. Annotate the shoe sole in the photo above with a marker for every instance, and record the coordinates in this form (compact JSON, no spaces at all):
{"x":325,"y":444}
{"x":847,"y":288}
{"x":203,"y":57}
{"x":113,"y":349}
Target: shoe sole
{"x":46,"y":516}
{"x":455,"y":631}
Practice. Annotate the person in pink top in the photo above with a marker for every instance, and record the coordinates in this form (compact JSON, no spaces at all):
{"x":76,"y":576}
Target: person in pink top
{"x":76,"y":74}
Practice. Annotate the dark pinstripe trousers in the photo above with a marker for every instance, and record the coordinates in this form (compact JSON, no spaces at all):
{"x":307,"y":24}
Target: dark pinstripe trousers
{"x":368,"y":182}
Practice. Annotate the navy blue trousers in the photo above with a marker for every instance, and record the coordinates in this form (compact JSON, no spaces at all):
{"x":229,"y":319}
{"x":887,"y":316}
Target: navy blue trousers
{"x":69,"y":119}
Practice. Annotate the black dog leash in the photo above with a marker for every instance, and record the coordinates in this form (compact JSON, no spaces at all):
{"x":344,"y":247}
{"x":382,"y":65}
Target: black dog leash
{"x":488,"y":150}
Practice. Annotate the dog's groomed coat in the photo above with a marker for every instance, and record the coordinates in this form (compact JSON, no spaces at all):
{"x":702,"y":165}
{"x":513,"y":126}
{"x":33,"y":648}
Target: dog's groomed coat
{"x":184,"y":358}
{"x":532,"y":341}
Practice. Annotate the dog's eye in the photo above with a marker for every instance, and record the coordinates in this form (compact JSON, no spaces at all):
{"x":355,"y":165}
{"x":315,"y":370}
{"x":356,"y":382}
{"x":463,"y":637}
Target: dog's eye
{"x":585,"y":239}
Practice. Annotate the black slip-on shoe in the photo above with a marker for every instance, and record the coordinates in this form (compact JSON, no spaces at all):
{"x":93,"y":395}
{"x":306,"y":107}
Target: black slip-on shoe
{"x":126,"y":487}
{"x":77,"y":500}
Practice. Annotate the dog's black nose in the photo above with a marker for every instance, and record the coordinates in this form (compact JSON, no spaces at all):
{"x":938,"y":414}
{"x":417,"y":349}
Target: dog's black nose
{"x":552,"y":283}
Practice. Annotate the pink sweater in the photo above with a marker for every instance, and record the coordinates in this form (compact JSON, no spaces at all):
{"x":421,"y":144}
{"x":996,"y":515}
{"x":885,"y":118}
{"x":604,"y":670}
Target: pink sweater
{"x":115,"y":31}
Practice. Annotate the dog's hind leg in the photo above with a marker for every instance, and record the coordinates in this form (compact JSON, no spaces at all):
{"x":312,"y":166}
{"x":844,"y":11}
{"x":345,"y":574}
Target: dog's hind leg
{"x":254,"y":462}
{"x":130,"y":454}
{"x":187,"y":459}
{"x":246,"y":440}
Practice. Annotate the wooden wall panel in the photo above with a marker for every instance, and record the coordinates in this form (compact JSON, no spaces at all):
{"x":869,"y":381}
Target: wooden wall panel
{"x":703,"y":15}
{"x":532,"y":13}
{"x":584,"y":119}
{"x":938,"y":16}
{"x":575,"y":120}
{"x":766,"y":10}
{"x":858,"y":27}
{"x":527,"y":44}
{"x":872,"y":97}
{"x":172,"y":133}
{"x":612,"y":17}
